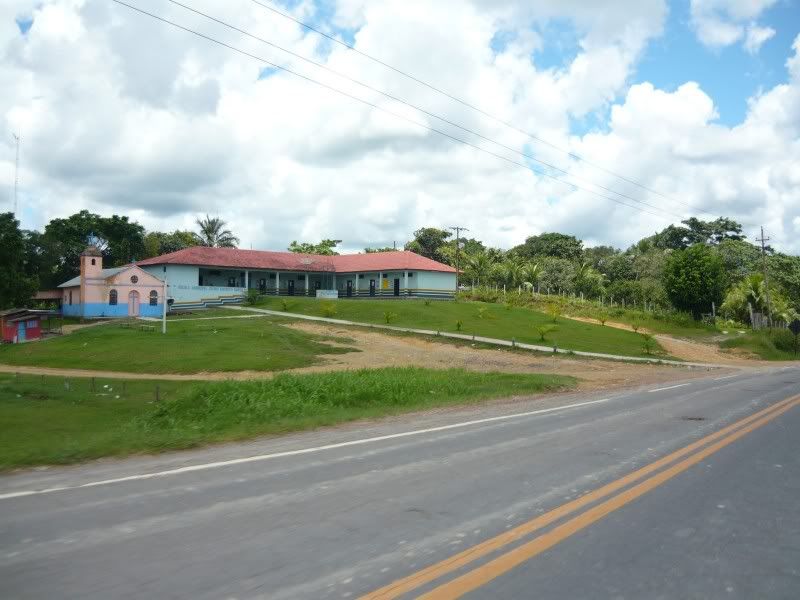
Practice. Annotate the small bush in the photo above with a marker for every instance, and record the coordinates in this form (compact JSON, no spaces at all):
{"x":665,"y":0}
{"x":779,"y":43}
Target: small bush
{"x":286,"y":306}
{"x":602,"y":316}
{"x":388,"y":316}
{"x":483,"y":312}
{"x":328,"y":309}
{"x":554,"y":310}
{"x":252,"y":297}
{"x":459,"y":324}
{"x":543,"y":330}
{"x":427,"y":302}
{"x":648,"y":343}
{"x":783,"y":339}
{"x":635,"y":325}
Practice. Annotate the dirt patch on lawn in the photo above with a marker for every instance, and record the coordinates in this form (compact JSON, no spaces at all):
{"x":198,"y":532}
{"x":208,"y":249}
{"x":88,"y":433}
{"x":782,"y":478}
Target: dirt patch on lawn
{"x":688,"y":350}
{"x":382,"y":350}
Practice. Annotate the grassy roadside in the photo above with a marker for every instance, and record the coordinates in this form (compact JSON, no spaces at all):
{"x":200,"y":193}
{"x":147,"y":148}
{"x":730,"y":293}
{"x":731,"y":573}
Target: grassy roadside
{"x":188,"y":347}
{"x":43,"y":422}
{"x":479,"y":318}
{"x":775,"y":346}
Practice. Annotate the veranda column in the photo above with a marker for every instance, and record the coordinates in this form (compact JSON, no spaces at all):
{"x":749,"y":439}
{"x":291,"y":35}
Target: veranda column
{"x":246,"y":279}
{"x":308,"y":293}
{"x":405,"y":281}
{"x":277,"y":283}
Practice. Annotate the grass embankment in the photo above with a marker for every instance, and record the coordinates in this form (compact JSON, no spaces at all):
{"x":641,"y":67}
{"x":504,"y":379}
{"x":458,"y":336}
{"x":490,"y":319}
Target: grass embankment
{"x":776,"y":345}
{"x":479,"y":318}
{"x":188,"y":347}
{"x":43,"y":422}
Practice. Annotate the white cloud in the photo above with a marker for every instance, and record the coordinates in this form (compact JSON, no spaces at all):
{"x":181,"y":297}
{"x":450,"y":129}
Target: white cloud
{"x":720,"y":23}
{"x":134,"y":117}
{"x":756,"y":36}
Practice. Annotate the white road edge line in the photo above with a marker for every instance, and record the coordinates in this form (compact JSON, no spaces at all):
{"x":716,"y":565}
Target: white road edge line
{"x":260,"y":457}
{"x":671,"y":387}
{"x":727,"y":377}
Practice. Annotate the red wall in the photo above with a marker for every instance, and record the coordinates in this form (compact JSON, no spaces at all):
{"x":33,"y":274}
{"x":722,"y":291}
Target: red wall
{"x":31,"y":333}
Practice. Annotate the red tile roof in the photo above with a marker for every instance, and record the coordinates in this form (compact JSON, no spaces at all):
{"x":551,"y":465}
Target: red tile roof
{"x":234,"y":258}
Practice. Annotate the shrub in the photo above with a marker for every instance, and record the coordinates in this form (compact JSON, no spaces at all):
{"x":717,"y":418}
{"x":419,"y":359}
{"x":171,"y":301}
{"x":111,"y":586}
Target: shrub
{"x":783,"y":339}
{"x":554,"y":310}
{"x":286,"y":306}
{"x":602,"y":316}
{"x":635,"y":325}
{"x":459,"y":324}
{"x":427,"y":302}
{"x":252,"y":297}
{"x":483,"y":312}
{"x":648,"y":343}
{"x":388,"y":316}
{"x":328,"y":309}
{"x":543,"y":330}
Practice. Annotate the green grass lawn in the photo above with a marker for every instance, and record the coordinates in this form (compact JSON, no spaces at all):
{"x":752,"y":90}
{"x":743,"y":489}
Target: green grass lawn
{"x":43,"y":422}
{"x":188,"y":347}
{"x":485,"y":319}
{"x":764,"y":345}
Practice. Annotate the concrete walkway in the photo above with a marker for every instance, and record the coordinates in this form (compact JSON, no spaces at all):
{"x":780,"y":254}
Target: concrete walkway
{"x":483,"y":340}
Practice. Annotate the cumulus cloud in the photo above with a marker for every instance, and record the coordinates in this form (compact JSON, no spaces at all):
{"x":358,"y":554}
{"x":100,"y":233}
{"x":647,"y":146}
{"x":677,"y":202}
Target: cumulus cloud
{"x":720,"y":23}
{"x":122,"y":114}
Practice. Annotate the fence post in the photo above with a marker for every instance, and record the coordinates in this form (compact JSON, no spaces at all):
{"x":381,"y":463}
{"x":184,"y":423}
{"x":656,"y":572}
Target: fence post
{"x":158,"y":393}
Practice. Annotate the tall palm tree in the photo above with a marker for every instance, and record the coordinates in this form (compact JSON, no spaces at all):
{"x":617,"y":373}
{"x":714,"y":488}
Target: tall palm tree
{"x":479,"y":266}
{"x":511,"y":272}
{"x":213,"y":233}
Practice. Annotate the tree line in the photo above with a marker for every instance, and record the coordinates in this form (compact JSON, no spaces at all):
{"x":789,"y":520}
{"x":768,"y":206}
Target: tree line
{"x":685,"y":267}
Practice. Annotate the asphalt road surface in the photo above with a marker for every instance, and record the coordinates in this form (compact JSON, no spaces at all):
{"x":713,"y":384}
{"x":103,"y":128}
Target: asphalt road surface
{"x":689,"y":490}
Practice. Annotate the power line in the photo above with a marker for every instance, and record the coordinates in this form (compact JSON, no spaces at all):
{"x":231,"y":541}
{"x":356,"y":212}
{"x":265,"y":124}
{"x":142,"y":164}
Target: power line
{"x":472,"y":106}
{"x":418,"y":108}
{"x":377,"y":107}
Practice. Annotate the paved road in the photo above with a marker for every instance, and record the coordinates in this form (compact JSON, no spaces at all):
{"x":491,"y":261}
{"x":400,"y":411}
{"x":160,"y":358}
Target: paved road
{"x":685,"y":492}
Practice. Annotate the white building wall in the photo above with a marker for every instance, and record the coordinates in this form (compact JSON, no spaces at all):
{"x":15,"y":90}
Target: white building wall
{"x":434,"y":280}
{"x":182,"y":283}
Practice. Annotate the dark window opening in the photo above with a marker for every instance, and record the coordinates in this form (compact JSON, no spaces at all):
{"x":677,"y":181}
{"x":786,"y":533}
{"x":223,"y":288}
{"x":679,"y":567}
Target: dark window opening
{"x":231,"y":281}
{"x":154,"y":298}
{"x":272,"y":275}
{"x":112,"y":297}
{"x":93,"y":261}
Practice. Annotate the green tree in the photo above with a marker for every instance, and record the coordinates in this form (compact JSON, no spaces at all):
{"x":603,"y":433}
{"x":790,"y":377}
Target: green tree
{"x":59,"y":247}
{"x":384,"y":249}
{"x":740,"y":257}
{"x":325,"y":247}
{"x":557,"y":275}
{"x":429,"y":242}
{"x":753,"y":292}
{"x":694,"y":278}
{"x":212,"y":233}
{"x":157,"y":243}
{"x":588,"y":280}
{"x":478,"y":267}
{"x":557,"y":245}
{"x":16,"y":288}
{"x":784,"y":270}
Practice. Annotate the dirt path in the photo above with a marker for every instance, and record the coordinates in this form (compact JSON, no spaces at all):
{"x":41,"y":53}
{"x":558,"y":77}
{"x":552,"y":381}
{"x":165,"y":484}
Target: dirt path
{"x":382,"y":350}
{"x":687,"y":350}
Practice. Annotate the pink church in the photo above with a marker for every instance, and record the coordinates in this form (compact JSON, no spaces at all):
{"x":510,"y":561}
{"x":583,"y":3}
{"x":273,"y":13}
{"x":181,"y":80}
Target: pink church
{"x":127,"y":291}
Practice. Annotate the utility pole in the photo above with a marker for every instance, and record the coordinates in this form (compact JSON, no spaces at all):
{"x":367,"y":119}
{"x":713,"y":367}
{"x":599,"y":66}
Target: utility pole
{"x":16,"y":174}
{"x":458,"y":229}
{"x":764,"y":241}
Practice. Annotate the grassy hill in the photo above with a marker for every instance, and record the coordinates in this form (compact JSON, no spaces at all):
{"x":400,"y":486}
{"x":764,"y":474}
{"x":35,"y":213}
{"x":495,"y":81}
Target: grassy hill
{"x":491,"y":320}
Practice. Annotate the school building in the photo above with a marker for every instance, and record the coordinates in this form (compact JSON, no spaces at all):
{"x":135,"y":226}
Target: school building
{"x":201,"y":277}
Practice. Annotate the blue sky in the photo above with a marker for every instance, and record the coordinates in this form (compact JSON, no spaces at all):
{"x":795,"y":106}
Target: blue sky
{"x":729,"y":75}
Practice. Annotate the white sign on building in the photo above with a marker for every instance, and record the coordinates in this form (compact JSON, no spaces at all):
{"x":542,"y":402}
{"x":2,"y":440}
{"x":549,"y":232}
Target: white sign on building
{"x":328,"y":294}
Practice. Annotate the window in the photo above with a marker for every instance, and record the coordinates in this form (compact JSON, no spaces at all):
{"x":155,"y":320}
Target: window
{"x":70,"y":297}
{"x":301,"y":278}
{"x":231,"y":281}
{"x":112,"y":297}
{"x":93,"y":262}
{"x":134,"y":279}
{"x":272,"y":275}
{"x":154,"y":298}
{"x":410,"y":274}
{"x":31,"y":324}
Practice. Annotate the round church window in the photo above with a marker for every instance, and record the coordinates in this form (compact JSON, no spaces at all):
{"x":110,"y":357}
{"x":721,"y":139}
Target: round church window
{"x":134,"y":279}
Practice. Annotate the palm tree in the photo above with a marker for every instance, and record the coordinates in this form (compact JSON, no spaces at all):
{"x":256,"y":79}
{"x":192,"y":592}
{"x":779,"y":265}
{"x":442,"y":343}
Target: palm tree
{"x":479,"y":266}
{"x":214,"y":234}
{"x":530,"y":274}
{"x":511,"y":272}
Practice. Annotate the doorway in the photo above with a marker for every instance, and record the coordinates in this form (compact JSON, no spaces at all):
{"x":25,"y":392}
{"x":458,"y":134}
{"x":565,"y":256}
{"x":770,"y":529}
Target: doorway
{"x":349,"y":288}
{"x":290,"y":287}
{"x":21,"y":331}
{"x":133,"y":304}
{"x":396,"y":287}
{"x":371,"y":287}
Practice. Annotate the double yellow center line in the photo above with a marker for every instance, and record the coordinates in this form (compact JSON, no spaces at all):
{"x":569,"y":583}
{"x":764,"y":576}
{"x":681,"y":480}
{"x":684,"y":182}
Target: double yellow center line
{"x":482,"y":574}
